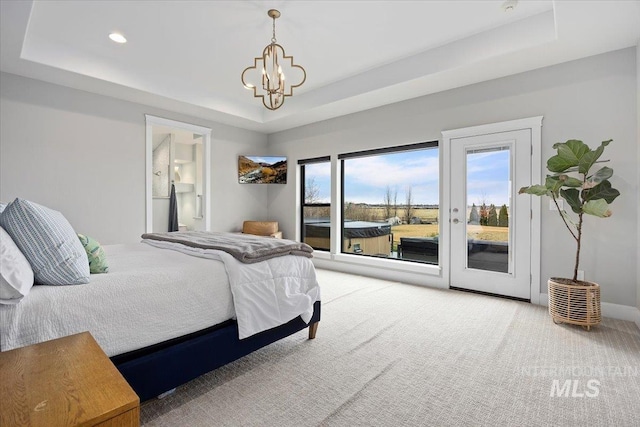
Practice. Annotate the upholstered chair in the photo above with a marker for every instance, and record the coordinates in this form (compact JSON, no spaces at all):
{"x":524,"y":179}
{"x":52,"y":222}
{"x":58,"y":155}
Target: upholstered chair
{"x":262,"y":228}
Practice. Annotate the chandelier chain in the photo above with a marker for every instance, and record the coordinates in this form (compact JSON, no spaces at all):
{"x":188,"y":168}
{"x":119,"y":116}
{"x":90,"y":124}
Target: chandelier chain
{"x":273,"y":39}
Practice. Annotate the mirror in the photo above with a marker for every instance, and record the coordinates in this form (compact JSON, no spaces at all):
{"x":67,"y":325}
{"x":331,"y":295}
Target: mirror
{"x":176,"y":154}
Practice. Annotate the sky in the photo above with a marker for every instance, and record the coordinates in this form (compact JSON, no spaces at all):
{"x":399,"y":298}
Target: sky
{"x":367,"y":178}
{"x":488,"y":178}
{"x":267,"y":159}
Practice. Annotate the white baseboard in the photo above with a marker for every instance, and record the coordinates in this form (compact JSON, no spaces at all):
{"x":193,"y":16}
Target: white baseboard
{"x":392,"y":270}
{"x":614,"y":311}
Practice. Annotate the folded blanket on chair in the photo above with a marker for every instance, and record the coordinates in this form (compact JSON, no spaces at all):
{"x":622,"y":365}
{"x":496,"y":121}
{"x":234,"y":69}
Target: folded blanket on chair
{"x":245,"y":248}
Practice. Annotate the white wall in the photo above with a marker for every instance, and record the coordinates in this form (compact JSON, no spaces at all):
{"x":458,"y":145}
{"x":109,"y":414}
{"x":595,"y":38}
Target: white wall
{"x":84,"y":155}
{"x":592,"y":99}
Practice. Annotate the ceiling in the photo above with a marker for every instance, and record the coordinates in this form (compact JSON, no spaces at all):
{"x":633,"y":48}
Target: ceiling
{"x":159,"y":133}
{"x":187,"y":56}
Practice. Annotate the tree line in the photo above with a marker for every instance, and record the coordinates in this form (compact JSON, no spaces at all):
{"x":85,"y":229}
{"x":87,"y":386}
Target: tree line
{"x":359,"y":212}
{"x":483,"y":215}
{"x":489,"y":216}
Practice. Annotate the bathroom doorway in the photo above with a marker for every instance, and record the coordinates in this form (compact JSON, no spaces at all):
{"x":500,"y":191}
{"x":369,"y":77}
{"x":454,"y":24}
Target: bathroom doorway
{"x":177,"y":168}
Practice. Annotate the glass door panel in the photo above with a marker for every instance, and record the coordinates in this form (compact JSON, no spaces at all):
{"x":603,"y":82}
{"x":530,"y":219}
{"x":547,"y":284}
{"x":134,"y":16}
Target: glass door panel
{"x":488,"y":199}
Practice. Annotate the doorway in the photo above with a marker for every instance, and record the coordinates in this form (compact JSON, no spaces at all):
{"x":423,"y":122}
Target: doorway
{"x":178,"y":175}
{"x":494,"y":236}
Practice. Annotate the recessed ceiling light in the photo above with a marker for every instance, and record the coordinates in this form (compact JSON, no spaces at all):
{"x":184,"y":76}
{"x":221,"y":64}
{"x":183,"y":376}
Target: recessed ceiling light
{"x":117,"y":37}
{"x":509,"y":5}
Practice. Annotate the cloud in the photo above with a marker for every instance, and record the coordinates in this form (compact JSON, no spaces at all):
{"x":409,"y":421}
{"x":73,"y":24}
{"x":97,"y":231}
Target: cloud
{"x":367,"y":178}
{"x":496,"y":192}
{"x":389,"y":170}
{"x":494,"y":163}
{"x":266,"y":159}
{"x":318,"y":169}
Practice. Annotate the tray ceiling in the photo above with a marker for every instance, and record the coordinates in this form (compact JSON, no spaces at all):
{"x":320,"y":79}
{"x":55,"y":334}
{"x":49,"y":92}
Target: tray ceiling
{"x":187,"y":56}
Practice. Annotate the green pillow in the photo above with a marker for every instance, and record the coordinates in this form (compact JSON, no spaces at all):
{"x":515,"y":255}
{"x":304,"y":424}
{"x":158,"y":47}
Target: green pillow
{"x":95,"y":253}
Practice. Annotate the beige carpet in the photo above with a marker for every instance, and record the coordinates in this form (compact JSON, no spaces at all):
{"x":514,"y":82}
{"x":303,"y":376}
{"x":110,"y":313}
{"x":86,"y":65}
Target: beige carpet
{"x":389,"y":354}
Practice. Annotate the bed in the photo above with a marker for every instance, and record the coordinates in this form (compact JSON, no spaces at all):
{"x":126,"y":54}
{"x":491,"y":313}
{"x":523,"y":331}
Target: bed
{"x":164,"y":316}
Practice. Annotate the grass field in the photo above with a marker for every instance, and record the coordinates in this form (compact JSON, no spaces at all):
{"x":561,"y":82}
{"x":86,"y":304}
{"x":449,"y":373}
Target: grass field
{"x":423,"y":214}
{"x":476,"y":232}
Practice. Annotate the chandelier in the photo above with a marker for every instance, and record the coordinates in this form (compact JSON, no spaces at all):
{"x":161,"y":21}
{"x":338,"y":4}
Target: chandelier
{"x":274,"y":86}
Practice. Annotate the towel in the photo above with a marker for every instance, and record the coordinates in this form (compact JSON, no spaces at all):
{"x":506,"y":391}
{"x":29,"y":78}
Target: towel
{"x":173,"y":209}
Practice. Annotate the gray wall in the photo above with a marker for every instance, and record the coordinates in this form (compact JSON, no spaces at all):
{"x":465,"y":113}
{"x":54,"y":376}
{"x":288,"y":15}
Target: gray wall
{"x":592,"y":99}
{"x":638,"y":189}
{"x":84,"y":155}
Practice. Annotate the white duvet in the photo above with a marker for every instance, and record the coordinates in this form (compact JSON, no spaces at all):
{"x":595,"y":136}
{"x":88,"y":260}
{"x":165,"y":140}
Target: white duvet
{"x":265,"y":294}
{"x":151,"y":295}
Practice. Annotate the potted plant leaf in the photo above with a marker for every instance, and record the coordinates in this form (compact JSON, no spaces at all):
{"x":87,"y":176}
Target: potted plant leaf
{"x":586,"y":193}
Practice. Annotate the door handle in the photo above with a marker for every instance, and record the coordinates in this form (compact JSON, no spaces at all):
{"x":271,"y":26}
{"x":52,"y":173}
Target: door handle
{"x":456,"y":220}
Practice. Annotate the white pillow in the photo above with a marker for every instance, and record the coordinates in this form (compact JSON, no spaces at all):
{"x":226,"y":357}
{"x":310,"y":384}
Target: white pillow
{"x":16,"y":275}
{"x":47,"y":240}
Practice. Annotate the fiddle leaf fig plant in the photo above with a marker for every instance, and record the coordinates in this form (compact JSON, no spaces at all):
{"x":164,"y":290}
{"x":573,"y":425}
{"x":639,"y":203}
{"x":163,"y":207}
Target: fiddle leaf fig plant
{"x":572,"y":180}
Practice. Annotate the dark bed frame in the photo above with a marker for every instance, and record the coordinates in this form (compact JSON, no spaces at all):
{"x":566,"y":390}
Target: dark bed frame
{"x":154,"y":370}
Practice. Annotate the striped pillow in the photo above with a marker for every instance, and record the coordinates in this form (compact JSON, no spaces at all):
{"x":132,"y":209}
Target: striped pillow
{"x":48,"y":241}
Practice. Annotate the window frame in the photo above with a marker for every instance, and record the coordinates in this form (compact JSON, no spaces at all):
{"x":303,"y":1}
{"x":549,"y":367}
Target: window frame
{"x":377,"y":152}
{"x":303,"y":204}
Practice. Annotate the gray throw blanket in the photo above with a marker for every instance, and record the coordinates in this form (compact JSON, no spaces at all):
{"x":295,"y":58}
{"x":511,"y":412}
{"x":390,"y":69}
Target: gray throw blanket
{"x":245,"y":248}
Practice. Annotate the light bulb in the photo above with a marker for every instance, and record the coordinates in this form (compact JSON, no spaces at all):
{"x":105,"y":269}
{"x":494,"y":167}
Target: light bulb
{"x":118,"y":38}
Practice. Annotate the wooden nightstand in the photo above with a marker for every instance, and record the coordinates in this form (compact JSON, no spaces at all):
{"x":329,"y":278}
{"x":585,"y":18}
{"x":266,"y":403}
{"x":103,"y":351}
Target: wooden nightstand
{"x":69,"y":381}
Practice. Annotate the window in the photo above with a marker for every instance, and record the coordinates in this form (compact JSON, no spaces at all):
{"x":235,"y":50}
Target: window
{"x":316,"y":202}
{"x":390,"y":201}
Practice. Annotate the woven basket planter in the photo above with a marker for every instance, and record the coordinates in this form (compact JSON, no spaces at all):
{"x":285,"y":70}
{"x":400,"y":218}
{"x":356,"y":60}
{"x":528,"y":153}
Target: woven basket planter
{"x":578,"y":304}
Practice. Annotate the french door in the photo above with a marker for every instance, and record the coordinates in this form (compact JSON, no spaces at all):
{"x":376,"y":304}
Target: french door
{"x":490,"y":225}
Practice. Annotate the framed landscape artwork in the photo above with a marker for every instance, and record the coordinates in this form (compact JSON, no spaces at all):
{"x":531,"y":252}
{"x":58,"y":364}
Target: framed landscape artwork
{"x":262,"y":169}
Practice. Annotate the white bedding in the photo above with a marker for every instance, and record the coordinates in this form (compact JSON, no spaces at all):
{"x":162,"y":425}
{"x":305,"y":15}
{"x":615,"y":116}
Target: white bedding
{"x":265,"y":294}
{"x":150,"y":295}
